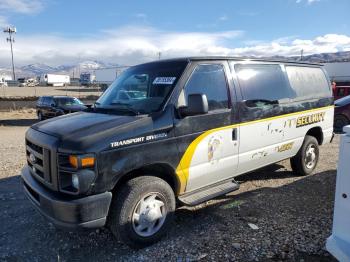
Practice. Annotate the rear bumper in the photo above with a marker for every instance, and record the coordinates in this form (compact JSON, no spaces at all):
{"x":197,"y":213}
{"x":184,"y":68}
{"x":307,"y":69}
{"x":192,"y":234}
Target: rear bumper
{"x":64,"y":211}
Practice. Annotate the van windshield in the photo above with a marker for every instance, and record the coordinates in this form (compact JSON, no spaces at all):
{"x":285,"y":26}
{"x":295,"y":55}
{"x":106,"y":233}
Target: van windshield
{"x":142,"y":89}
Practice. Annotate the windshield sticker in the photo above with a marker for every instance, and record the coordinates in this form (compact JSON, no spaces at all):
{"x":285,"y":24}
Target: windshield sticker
{"x":137,"y":140}
{"x":164,"y":80}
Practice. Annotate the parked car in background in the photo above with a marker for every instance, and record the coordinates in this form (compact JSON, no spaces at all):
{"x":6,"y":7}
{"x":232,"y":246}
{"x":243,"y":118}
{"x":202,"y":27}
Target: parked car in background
{"x":51,"y":106}
{"x":28,"y":82}
{"x":341,"y":113}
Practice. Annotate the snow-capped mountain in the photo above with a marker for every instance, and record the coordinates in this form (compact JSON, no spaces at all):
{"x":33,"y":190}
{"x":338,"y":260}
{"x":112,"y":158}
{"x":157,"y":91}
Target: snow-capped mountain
{"x":75,"y":69}
{"x":37,"y":69}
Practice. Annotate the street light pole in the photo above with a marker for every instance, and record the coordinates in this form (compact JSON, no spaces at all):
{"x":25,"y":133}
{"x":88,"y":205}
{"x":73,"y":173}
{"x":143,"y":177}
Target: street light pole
{"x":10,"y":31}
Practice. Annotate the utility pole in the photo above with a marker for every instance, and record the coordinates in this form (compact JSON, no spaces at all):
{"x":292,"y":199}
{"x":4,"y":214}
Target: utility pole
{"x":159,"y":55}
{"x":10,"y":31}
{"x":301,"y":54}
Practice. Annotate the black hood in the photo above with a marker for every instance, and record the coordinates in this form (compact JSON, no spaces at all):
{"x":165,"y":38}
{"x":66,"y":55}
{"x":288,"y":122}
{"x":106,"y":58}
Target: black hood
{"x":85,"y":131}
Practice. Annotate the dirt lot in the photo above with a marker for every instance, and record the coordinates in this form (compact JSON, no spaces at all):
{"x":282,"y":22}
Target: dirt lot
{"x":293,"y":216}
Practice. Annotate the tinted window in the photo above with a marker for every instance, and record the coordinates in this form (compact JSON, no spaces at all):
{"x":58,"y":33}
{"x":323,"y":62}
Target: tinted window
{"x":262,"y":82}
{"x":68,"y":101}
{"x":308,"y":81}
{"x":209,"y":80}
{"x":49,"y":101}
{"x":341,"y":91}
{"x":45,"y":101}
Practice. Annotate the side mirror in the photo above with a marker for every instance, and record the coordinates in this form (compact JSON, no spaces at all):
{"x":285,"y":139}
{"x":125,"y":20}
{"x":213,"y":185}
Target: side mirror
{"x":53,"y":105}
{"x":197,"y":104}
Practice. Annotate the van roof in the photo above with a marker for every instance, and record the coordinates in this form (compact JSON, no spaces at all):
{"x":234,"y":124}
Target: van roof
{"x":199,"y":58}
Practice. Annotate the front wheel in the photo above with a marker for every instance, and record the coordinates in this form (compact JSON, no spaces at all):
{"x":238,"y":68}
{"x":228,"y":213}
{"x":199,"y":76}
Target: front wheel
{"x":305,"y":161}
{"x":142,"y":211}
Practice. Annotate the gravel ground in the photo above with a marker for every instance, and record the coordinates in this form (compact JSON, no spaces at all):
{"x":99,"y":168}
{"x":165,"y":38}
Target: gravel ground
{"x":290,"y":217}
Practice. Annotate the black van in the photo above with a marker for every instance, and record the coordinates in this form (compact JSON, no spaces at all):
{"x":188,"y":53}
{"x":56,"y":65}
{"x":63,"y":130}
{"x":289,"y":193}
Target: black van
{"x":174,"y":132}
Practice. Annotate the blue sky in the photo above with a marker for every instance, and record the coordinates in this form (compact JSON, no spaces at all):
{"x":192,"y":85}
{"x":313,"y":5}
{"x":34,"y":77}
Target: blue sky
{"x":54,"y":31}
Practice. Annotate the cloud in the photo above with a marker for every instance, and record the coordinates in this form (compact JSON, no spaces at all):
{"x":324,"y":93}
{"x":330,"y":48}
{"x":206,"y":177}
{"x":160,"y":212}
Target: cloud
{"x":3,"y":21}
{"x":126,"y":45}
{"x":21,"y":6}
{"x":308,"y":1}
{"x":323,"y":44}
{"x":141,"y":15}
{"x":131,"y":45}
{"x":223,"y":18}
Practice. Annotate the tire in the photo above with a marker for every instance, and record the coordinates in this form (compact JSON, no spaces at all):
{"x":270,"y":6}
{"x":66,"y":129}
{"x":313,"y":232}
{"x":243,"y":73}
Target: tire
{"x":130,"y":204}
{"x":305,"y":161}
{"x":339,"y":122}
{"x":40,"y":116}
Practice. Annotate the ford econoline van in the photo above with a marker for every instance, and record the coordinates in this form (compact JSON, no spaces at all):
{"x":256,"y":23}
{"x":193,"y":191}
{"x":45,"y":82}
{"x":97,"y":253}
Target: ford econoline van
{"x":174,"y":132}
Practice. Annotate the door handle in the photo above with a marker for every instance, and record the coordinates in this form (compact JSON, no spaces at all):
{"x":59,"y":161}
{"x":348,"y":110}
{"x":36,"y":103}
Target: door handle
{"x":234,"y":134}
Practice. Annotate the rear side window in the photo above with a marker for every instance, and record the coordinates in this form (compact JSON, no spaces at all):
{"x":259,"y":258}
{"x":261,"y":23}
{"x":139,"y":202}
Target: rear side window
{"x":308,"y":82}
{"x":209,"y":79}
{"x":263,"y":82}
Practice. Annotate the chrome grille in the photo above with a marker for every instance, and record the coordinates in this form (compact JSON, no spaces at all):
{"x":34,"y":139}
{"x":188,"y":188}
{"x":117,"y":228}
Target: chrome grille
{"x":38,"y":159}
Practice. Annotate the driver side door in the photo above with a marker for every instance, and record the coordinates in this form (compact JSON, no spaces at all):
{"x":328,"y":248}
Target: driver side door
{"x":207,"y":143}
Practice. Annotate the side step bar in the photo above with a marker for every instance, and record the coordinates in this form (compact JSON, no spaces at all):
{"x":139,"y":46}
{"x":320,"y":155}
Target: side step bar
{"x":200,"y":196}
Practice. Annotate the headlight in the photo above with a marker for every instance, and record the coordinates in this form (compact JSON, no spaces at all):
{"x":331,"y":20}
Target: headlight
{"x":75,"y":181}
{"x":76,"y":172}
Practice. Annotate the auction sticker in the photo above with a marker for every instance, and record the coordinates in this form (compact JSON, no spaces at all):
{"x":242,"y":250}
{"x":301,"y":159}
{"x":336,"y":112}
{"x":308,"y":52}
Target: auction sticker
{"x":164,"y":80}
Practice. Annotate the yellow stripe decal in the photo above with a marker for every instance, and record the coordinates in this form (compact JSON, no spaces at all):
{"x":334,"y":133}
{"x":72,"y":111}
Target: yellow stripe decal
{"x":182,"y":170}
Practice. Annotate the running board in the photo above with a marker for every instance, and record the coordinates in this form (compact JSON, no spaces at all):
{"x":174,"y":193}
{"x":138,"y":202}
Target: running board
{"x":203,"y":195}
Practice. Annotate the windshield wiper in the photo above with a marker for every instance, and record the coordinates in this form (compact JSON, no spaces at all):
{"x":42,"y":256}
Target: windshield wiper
{"x":127,"y":107}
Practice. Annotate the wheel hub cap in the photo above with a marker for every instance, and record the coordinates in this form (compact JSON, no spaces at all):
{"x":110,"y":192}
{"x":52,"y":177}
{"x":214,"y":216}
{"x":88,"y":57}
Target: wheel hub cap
{"x":149,"y":215}
{"x":310,"y":157}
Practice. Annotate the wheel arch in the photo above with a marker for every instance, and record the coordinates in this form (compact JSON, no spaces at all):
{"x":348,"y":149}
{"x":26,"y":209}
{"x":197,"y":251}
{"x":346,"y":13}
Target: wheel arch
{"x":317,"y":133}
{"x":161,"y":170}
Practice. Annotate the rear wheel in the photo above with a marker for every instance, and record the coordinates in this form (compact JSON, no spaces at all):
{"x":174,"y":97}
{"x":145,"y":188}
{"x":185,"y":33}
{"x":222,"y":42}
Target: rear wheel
{"x":305,"y":161}
{"x":142,"y":211}
{"x":339,"y":122}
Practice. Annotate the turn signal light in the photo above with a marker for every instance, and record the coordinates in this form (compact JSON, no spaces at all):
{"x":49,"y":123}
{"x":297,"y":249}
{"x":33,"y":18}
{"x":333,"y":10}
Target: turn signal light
{"x":87,"y":161}
{"x":81,"y":161}
{"x":73,"y":161}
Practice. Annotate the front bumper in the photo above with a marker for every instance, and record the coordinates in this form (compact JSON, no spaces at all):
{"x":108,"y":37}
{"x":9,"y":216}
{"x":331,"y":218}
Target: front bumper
{"x":65,"y":211}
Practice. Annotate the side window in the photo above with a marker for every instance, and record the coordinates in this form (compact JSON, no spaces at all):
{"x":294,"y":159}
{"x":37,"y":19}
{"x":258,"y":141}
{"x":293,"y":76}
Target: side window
{"x":308,"y":82}
{"x":209,"y":79}
{"x":45,"y":101}
{"x":49,"y":101}
{"x":260,"y":82}
{"x":341,"y":91}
